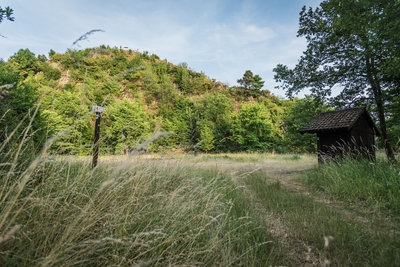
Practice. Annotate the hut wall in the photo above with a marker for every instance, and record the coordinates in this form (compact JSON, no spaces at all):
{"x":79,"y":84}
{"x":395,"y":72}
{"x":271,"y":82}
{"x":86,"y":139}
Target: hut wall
{"x":333,"y":144}
{"x":362,"y":135}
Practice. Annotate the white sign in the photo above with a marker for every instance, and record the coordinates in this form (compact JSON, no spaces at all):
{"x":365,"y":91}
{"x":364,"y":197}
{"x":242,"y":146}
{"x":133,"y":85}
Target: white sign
{"x":98,"y":109}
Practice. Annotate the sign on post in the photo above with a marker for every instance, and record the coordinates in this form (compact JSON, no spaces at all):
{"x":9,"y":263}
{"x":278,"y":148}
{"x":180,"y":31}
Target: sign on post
{"x":98,"y":110}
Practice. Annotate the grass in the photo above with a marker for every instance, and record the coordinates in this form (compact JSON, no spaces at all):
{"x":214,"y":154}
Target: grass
{"x":135,"y":212}
{"x":206,"y":210}
{"x":374,"y":184}
{"x":308,"y":222}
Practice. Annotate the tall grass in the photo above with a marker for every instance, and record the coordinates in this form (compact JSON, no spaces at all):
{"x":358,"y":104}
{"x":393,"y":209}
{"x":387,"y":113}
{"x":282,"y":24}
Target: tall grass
{"x":135,"y":212}
{"x":307,"y":225}
{"x":374,"y":183}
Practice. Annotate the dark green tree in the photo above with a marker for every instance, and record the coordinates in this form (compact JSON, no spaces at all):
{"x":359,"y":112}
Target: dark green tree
{"x":350,"y":46}
{"x":297,"y":115}
{"x":251,"y":83}
{"x":6,"y":13}
{"x":393,"y":125}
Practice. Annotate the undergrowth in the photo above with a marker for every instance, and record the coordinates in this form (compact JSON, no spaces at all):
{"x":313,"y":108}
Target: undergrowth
{"x":374,"y":183}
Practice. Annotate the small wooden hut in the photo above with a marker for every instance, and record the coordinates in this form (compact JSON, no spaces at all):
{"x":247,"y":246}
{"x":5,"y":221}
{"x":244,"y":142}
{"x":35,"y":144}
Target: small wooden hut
{"x":344,"y":132}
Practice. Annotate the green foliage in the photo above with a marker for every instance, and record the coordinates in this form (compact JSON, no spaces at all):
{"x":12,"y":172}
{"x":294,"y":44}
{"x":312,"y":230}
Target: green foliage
{"x":51,"y":53}
{"x":127,"y":123}
{"x":393,"y":125}
{"x":297,"y":115}
{"x":252,"y":129}
{"x":189,"y":81}
{"x":8,"y":73}
{"x":51,"y":73}
{"x":118,"y":64}
{"x":350,"y":46}
{"x":213,"y":114}
{"x":150,"y":84}
{"x":202,"y":113}
{"x":207,"y":135}
{"x":112,"y":88}
{"x":179,"y":120}
{"x":251,"y":84}
{"x":23,"y":97}
{"x":6,"y":13}
{"x":19,"y":114}
{"x":26,"y":62}
{"x":165,"y":93}
{"x":71,"y":120}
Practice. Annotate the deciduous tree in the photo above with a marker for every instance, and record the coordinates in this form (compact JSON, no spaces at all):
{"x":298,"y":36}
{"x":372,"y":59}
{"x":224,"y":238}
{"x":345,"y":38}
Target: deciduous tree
{"x":298,"y":115}
{"x":352,"y":45}
{"x":252,"y":128}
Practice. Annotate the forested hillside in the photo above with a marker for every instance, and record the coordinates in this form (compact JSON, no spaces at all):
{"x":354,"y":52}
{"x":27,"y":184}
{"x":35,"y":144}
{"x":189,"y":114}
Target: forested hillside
{"x":144,"y":95}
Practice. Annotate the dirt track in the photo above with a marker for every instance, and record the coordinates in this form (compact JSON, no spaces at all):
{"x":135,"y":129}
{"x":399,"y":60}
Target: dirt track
{"x":287,"y":175}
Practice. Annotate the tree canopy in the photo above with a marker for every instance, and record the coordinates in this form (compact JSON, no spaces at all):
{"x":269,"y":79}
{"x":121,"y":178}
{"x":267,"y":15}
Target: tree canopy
{"x":351,"y":45}
{"x":251,"y":84}
{"x":6,"y":13}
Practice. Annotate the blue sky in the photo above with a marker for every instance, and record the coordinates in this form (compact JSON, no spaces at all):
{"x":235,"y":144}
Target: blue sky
{"x":222,"y":38}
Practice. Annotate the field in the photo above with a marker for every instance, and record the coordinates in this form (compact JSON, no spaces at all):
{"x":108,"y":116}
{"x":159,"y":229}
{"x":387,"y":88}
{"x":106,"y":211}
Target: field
{"x":205,"y":210}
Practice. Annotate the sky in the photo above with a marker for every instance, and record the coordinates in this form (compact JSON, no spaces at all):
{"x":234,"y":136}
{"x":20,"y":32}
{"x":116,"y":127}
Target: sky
{"x":221,"y":38}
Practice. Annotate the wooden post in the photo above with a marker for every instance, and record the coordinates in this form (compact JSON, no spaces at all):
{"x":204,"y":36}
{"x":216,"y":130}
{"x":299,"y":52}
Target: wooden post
{"x":98,"y":111}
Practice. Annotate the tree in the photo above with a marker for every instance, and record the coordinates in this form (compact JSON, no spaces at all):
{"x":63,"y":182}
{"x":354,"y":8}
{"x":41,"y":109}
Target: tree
{"x":67,"y":114}
{"x":125,"y":124}
{"x":251,"y":83}
{"x":252,"y":127}
{"x":18,"y":98}
{"x":350,"y":46}
{"x":26,"y":62}
{"x":6,"y":13}
{"x":212,"y":114}
{"x":298,"y":115}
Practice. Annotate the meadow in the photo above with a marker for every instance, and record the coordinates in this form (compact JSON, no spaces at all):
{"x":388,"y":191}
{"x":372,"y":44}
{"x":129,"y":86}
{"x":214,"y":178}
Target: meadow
{"x":204,"y":210}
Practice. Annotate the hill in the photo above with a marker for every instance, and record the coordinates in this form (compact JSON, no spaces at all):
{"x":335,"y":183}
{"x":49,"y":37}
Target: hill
{"x":143,"y":95}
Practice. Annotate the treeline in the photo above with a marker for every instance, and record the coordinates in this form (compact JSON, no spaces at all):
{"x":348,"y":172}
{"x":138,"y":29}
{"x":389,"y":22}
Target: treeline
{"x":144,"y":95}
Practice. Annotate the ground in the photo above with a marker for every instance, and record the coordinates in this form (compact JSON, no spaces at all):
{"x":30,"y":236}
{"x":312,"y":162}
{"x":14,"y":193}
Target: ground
{"x":289,"y":175}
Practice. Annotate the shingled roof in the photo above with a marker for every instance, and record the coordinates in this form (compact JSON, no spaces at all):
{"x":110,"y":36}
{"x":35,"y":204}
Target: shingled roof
{"x":338,"y":120}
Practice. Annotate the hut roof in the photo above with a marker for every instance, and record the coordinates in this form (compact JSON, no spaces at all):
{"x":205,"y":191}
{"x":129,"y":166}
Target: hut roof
{"x":338,"y":120}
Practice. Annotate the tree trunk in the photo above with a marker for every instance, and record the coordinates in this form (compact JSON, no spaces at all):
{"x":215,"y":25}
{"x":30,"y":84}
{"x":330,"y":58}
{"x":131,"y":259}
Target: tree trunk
{"x":382,"y":123}
{"x":376,"y":88}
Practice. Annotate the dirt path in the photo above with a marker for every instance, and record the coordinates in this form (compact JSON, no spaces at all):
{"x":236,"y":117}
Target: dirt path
{"x":287,"y":175}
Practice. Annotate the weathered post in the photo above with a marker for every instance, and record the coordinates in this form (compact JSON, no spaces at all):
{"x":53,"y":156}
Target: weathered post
{"x":98,"y":110}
